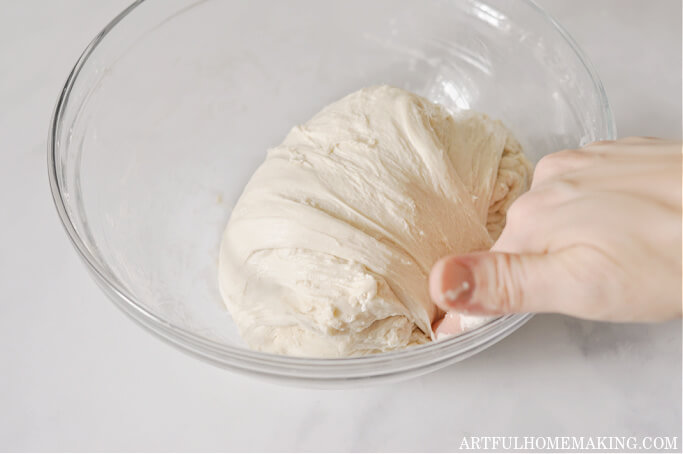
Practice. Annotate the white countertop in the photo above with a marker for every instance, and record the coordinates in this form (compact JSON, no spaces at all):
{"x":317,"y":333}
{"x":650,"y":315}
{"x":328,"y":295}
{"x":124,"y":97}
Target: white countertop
{"x":76,"y":374}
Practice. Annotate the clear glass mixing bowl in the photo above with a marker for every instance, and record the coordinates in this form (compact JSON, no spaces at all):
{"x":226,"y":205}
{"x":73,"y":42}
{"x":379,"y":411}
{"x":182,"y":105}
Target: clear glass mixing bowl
{"x":173,"y":105}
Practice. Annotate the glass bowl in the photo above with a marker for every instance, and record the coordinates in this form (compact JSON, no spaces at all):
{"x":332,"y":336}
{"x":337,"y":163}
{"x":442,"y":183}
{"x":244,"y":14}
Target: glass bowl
{"x":174,"y":104}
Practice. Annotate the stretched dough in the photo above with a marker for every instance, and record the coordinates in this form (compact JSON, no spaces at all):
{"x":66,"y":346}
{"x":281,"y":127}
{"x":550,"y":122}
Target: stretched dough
{"x":328,"y":250}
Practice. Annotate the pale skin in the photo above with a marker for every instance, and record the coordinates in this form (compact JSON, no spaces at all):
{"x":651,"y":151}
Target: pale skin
{"x":598,"y":236}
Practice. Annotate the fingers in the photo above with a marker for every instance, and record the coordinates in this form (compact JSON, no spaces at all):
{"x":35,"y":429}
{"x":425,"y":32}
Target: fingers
{"x":567,"y":161}
{"x":562,"y":162}
{"x":633,"y":147}
{"x":630,"y":140}
{"x":499,"y":283}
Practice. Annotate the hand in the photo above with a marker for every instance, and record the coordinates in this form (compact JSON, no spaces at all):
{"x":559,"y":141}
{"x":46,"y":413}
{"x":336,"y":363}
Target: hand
{"x":598,"y":236}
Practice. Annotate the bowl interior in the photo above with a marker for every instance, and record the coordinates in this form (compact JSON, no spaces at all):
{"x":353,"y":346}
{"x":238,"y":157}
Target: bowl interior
{"x":175,"y":107}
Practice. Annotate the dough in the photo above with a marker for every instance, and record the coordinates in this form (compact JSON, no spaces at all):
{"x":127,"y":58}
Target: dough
{"x":328,"y":250}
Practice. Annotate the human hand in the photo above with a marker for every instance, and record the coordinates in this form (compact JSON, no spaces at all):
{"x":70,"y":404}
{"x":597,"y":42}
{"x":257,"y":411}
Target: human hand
{"x":598,"y":236}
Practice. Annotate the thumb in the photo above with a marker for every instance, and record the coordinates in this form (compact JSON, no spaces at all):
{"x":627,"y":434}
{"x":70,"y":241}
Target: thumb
{"x":498,"y":282}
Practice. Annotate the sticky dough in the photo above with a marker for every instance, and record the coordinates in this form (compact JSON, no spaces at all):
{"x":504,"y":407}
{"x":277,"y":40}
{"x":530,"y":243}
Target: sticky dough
{"x":328,"y":250}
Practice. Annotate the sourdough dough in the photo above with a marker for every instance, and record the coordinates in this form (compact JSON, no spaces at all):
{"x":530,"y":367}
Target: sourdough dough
{"x":328,"y":250}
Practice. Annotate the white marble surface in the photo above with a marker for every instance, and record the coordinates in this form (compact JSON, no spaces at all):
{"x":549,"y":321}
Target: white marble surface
{"x":75,"y":374}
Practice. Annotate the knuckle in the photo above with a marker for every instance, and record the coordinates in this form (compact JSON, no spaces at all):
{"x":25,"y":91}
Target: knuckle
{"x":546,"y":164}
{"x":560,"y":191}
{"x":521,"y":209}
{"x":531,"y":204}
{"x":556,"y":163}
{"x":508,"y":288}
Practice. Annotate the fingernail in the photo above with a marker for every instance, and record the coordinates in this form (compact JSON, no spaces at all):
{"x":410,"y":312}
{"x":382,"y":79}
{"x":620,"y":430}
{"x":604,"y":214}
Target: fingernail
{"x":457,"y":284}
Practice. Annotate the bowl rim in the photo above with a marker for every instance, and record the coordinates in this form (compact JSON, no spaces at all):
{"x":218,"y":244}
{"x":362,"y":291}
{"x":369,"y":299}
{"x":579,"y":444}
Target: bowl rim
{"x":279,"y":366}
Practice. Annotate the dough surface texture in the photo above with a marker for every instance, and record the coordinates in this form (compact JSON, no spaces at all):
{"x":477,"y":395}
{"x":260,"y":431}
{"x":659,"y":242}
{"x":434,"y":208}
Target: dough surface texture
{"x":328,"y":250}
